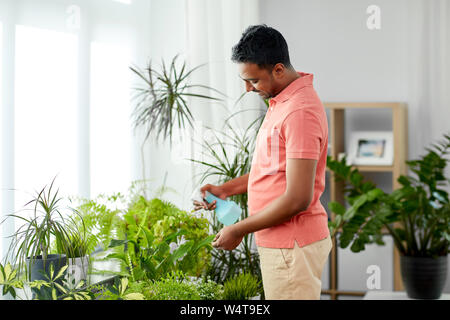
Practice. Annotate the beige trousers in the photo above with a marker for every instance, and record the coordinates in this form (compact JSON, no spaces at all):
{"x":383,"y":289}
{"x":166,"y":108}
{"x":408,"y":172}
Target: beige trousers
{"x":294,"y":274}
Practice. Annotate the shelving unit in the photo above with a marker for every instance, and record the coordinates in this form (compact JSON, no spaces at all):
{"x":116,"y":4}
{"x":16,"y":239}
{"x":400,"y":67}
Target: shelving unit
{"x":398,"y":167}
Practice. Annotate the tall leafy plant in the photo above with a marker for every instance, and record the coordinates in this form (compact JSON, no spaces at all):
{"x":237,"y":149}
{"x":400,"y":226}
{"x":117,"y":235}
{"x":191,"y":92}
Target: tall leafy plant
{"x":417,"y":215}
{"x":161,"y":100}
{"x":48,"y":223}
{"x":223,"y":165}
{"x":161,"y":103}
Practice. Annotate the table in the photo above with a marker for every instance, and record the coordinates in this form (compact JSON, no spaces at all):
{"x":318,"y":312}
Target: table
{"x":394,"y":295}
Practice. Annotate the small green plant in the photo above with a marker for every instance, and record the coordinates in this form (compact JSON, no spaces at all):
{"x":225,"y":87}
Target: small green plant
{"x":9,"y":280}
{"x":119,"y":291}
{"x":53,"y":287}
{"x":156,"y":261}
{"x":241,"y":287}
{"x":101,"y":219}
{"x":33,"y":239}
{"x":209,"y":289}
{"x":173,"y":287}
{"x":176,"y":286}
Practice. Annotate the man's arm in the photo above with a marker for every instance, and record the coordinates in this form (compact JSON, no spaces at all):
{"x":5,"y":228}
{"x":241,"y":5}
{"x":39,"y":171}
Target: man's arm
{"x":236,"y":186}
{"x":230,"y":188}
{"x":300,"y":176}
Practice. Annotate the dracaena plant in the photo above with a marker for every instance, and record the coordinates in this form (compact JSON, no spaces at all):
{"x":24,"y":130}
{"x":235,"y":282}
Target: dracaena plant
{"x":47,"y":223}
{"x":161,"y":102}
{"x":417,"y":215}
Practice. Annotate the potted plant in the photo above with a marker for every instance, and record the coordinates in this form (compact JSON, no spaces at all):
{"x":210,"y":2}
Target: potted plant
{"x":417,"y":215}
{"x":77,"y":256}
{"x":244,"y":286}
{"x":30,"y":250}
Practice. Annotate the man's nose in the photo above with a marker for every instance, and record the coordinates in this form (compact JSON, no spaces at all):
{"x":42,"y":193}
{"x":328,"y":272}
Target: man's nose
{"x":249,"y":87}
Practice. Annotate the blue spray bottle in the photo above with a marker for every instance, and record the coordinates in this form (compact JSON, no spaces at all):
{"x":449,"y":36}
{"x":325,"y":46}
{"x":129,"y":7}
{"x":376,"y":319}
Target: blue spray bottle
{"x":227,"y":212}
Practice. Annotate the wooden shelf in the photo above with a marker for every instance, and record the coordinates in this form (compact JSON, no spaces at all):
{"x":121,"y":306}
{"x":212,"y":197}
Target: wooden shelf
{"x":373,"y":168}
{"x":398,"y":167}
{"x":362,"y":105}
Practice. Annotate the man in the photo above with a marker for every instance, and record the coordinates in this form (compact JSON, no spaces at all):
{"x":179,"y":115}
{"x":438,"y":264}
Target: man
{"x":287,"y":175}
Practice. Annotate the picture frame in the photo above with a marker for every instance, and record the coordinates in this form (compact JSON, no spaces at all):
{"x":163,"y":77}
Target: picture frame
{"x":371,"y":148}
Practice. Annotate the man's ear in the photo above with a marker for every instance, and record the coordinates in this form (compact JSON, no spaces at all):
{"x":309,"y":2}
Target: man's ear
{"x":278,"y":70}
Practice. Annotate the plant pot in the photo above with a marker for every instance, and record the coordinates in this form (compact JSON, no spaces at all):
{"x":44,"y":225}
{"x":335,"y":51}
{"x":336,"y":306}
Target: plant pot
{"x":424,"y":277}
{"x":38,"y":267}
{"x":77,"y":269}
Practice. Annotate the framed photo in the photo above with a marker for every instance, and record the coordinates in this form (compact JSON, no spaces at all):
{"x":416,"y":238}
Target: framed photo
{"x":371,"y":148}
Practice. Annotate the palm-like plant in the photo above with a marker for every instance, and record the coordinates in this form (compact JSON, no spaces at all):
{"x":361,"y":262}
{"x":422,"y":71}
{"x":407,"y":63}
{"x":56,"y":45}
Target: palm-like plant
{"x":35,"y":236}
{"x":161,"y":103}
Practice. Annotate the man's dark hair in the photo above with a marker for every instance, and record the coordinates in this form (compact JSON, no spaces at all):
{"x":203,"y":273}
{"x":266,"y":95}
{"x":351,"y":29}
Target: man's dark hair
{"x":263,"y":46}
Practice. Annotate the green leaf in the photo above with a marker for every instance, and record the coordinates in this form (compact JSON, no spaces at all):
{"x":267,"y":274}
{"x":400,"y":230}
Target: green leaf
{"x":374,"y":194}
{"x":354,"y":208}
{"x":134,"y":296}
{"x":123,"y":285}
{"x":61,"y":272}
{"x":356,"y":178}
{"x":181,"y":250}
{"x":338,"y":220}
{"x":203,"y":243}
{"x":336,"y":207}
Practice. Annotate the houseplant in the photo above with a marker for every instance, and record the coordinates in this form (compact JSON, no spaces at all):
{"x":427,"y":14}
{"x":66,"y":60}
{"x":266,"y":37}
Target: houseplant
{"x":227,"y":157}
{"x":161,"y":101}
{"x":417,"y":216}
{"x":53,"y":287}
{"x":160,"y":104}
{"x":30,"y":247}
{"x":244,"y":286}
{"x":77,"y":256}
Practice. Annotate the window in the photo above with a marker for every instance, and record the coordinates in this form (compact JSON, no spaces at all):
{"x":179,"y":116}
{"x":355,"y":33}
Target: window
{"x":110,"y":126}
{"x":68,"y":102}
{"x":1,"y":133}
{"x":45,"y":112}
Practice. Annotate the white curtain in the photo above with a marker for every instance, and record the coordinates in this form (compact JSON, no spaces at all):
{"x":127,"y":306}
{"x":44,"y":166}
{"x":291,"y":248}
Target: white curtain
{"x":429,"y":73}
{"x":213,"y":28}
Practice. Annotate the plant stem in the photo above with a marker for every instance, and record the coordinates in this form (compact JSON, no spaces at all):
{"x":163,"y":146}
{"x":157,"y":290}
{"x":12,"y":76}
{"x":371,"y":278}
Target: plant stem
{"x":397,"y":240}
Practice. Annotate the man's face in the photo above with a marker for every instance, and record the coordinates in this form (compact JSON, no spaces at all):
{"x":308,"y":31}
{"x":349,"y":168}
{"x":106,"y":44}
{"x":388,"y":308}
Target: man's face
{"x":259,"y":80}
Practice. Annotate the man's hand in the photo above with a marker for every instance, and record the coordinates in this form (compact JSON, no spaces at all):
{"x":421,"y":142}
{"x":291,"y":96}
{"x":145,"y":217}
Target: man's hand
{"x":218,"y":191}
{"x":227,"y":238}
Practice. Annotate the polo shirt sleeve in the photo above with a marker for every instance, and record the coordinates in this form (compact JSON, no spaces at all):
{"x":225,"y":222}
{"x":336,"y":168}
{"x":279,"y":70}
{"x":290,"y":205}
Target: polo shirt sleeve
{"x":302,"y":134}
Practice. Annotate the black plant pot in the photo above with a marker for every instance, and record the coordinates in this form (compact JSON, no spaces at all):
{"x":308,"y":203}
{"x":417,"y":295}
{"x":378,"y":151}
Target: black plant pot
{"x":38,"y":267}
{"x":424,"y":277}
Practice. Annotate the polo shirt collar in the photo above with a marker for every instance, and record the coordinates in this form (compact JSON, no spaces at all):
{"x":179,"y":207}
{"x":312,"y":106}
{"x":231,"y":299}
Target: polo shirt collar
{"x":304,"y":80}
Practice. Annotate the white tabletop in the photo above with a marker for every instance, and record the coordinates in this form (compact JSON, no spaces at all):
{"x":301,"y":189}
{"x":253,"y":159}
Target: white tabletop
{"x":394,"y":295}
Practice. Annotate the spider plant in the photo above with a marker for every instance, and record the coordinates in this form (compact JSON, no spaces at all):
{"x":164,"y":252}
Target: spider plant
{"x":225,"y":166}
{"x":161,"y":103}
{"x":32,"y":241}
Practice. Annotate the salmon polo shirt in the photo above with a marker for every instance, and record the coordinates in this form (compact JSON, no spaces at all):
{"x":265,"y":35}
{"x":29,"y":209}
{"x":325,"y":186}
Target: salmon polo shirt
{"x":295,"y":126}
